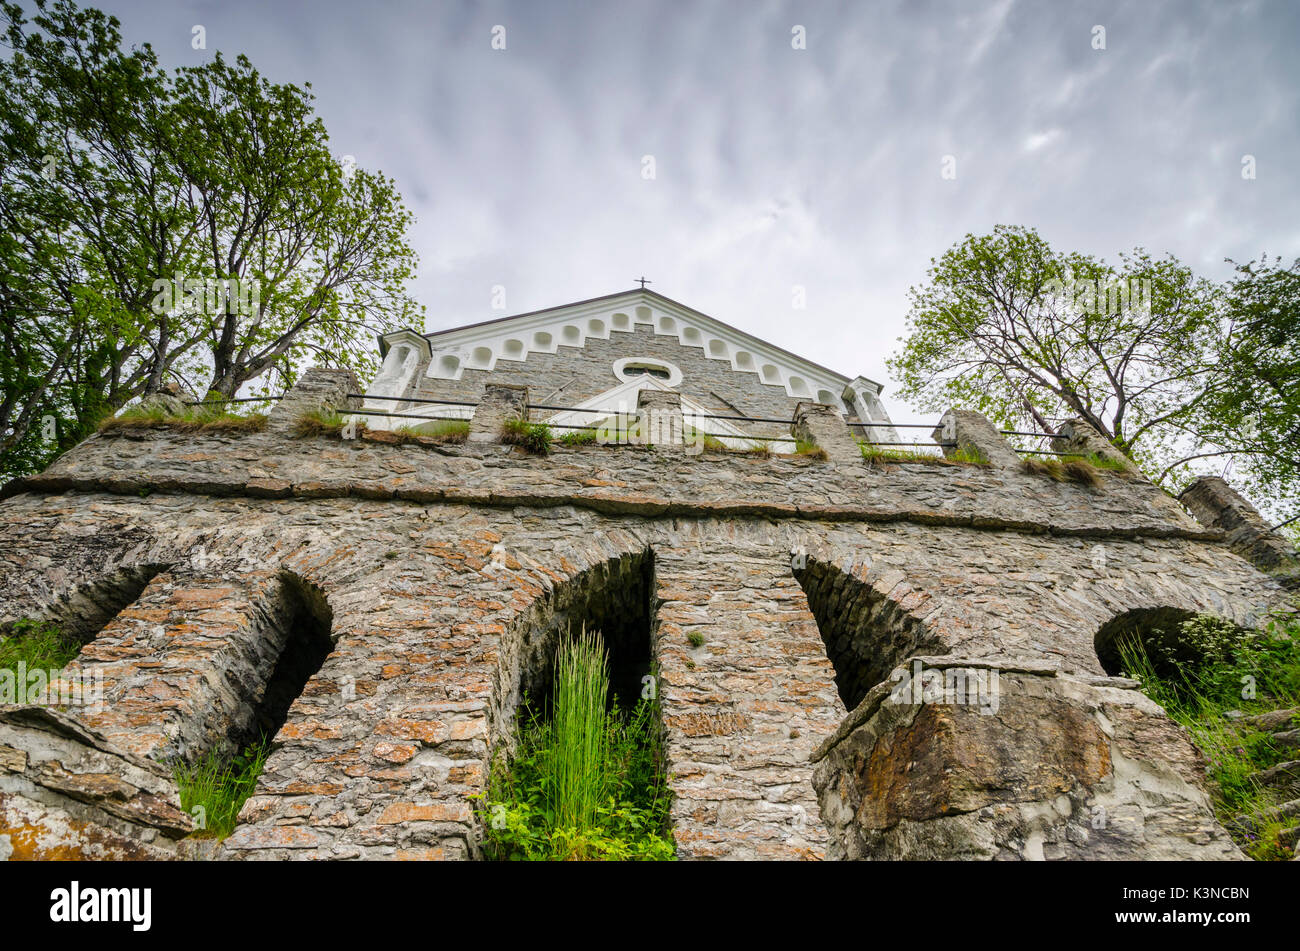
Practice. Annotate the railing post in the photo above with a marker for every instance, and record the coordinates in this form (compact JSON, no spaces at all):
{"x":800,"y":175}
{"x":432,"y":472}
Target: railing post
{"x":1080,"y":437}
{"x":820,"y":425}
{"x":1215,"y":504}
{"x":320,"y":389}
{"x":660,"y":414}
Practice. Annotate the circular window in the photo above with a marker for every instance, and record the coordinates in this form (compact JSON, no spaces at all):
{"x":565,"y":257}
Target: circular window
{"x":630,"y":368}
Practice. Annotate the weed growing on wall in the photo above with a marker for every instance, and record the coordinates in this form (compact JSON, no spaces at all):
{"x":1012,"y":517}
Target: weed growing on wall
{"x":1220,"y":683}
{"x":214,"y":787}
{"x":39,"y":645}
{"x":588,"y":783}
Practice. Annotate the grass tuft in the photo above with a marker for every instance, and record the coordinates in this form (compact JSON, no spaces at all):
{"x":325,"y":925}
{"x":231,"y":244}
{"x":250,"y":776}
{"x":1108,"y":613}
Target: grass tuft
{"x":196,"y":419}
{"x":891,"y":454}
{"x":38,"y":644}
{"x":810,"y":450}
{"x":214,"y":787}
{"x":324,"y":423}
{"x":1074,"y":470}
{"x":443,"y":431}
{"x":1238,"y":671}
{"x":586,"y":784}
{"x":578,"y":437}
{"x":531,"y":437}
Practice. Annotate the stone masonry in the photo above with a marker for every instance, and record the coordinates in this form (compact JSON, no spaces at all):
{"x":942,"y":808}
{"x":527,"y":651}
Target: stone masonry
{"x":201,"y":566}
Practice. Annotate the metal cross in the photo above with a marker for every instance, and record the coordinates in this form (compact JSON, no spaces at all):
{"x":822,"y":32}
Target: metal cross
{"x":644,"y":282}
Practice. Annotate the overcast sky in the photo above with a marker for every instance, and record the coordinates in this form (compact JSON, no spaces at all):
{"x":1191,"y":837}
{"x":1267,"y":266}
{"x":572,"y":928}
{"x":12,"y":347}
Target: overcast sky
{"x":774,"y":166}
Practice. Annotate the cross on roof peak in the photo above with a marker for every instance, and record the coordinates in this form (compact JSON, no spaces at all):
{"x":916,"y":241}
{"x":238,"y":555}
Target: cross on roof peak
{"x":643,"y":282}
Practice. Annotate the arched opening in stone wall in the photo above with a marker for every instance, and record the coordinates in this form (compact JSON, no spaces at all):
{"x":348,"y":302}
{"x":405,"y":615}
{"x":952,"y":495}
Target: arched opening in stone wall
{"x":80,"y":615}
{"x":303,"y":620}
{"x":866,"y":633}
{"x":1156,"y":629}
{"x":614,"y":598}
{"x":571,"y":741}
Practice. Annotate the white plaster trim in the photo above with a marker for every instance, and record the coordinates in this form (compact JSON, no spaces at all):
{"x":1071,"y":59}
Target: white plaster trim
{"x":674,"y":374}
{"x":514,"y":340}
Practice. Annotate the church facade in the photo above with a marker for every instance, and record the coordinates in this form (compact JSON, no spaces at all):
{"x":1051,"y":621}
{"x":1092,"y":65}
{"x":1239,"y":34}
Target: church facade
{"x":597,"y":355}
{"x":855,"y":656}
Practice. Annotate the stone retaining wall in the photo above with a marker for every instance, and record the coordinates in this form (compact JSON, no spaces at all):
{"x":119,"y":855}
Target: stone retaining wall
{"x":445,"y":572}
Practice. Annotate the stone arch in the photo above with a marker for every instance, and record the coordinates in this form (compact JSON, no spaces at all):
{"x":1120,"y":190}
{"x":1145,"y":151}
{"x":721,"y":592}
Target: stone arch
{"x":207,"y":663}
{"x":867,"y":631}
{"x":615,"y":596}
{"x":1155,"y":627}
{"x":82,"y":612}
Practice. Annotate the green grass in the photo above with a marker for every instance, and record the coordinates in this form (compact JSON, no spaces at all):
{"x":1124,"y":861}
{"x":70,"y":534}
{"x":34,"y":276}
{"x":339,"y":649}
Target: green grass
{"x":1083,"y":470}
{"x":893,"y":454}
{"x":810,"y":450}
{"x":195,"y":419}
{"x":448,"y":431}
{"x":695,"y":638}
{"x":578,"y":437}
{"x":531,"y":437}
{"x":324,"y":423}
{"x":587,"y":784}
{"x":214,"y":787}
{"x":1247,"y":671}
{"x":38,"y":644}
{"x":1068,"y":469}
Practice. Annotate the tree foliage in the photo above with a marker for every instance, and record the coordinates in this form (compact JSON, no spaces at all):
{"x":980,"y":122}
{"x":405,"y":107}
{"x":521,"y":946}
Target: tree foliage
{"x":1165,"y":364}
{"x":133,"y":199}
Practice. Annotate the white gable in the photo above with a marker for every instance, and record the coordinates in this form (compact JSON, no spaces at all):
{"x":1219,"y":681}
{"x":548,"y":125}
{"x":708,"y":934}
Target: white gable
{"x":487,"y":346}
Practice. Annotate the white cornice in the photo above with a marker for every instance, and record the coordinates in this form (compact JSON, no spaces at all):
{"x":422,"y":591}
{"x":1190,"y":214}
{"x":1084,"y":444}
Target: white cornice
{"x":513,"y":339}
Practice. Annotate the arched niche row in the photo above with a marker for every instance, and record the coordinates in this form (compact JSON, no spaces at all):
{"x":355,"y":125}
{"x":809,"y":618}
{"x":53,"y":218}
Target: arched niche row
{"x":866,"y":633}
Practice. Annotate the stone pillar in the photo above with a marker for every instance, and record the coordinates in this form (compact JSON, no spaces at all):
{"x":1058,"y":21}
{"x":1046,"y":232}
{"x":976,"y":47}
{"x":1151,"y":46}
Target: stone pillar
{"x":501,"y":402}
{"x":1082,"y":438}
{"x":1215,"y":504}
{"x":744,"y":702}
{"x":168,"y":399}
{"x":660,"y":417}
{"x":320,"y":389}
{"x":964,"y":429}
{"x":820,"y":425}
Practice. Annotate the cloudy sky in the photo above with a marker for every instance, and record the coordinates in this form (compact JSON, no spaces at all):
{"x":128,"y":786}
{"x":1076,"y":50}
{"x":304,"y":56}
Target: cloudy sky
{"x":777,"y":167}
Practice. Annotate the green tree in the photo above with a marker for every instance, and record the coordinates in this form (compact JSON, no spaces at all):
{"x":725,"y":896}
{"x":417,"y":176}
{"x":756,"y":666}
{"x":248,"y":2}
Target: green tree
{"x":133,"y":200}
{"x":1253,"y":413}
{"x":1031,"y":336}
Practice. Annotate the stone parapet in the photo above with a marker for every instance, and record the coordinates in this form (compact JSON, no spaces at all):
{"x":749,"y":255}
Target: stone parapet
{"x":500,"y":404}
{"x":820,"y":426}
{"x":1215,"y":504}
